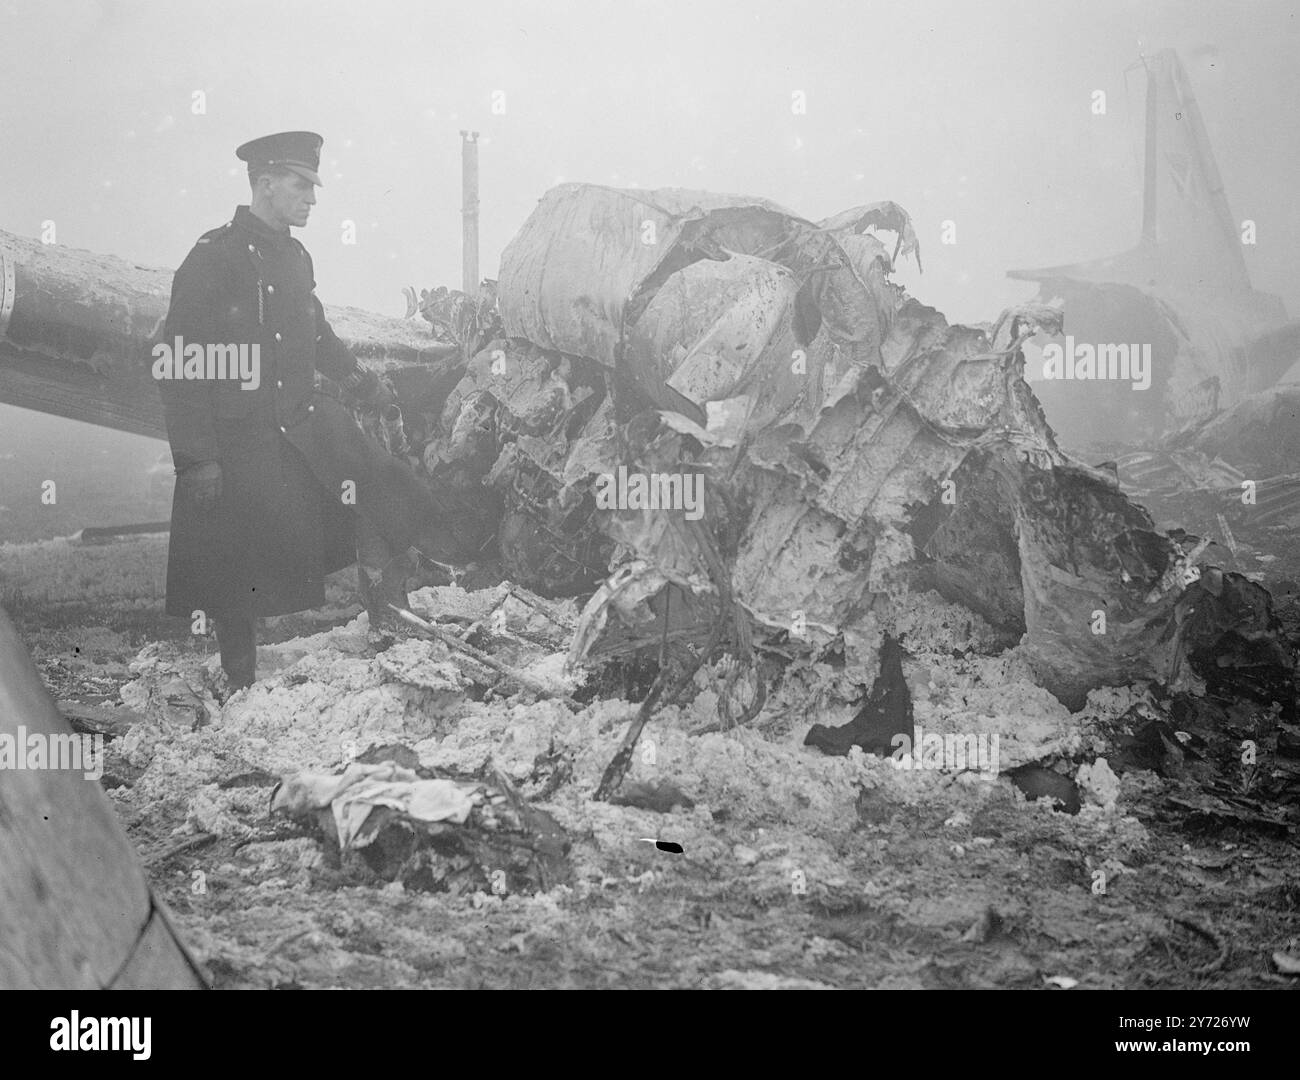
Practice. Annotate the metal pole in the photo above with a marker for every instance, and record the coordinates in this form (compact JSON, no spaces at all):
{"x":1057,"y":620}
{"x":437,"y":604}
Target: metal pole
{"x":469,"y":212}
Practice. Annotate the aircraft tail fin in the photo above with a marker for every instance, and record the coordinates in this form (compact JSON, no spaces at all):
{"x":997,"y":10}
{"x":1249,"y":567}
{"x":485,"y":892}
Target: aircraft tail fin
{"x":1185,"y":210}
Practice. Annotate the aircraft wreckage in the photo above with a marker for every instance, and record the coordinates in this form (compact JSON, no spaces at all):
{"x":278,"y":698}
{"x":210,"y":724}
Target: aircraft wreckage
{"x":854,"y":447}
{"x":1214,"y":343}
{"x":1222,"y":359}
{"x":845,"y":446}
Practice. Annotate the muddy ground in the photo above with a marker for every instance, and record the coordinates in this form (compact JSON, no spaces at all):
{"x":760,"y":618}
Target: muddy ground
{"x":796,"y":870}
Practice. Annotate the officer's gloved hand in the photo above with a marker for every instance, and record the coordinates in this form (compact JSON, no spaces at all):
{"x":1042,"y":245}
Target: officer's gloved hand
{"x":200,"y":484}
{"x":366,"y":388}
{"x":383,"y":395}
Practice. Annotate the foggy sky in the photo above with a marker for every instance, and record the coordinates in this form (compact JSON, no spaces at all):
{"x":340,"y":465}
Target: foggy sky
{"x":978,"y":113}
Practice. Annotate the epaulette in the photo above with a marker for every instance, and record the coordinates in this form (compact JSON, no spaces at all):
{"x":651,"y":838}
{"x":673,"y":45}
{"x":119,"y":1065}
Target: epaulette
{"x":219,"y":233}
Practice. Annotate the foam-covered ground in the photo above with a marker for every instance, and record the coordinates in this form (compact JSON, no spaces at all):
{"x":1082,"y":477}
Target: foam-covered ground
{"x":770,"y":819}
{"x":797,"y":869}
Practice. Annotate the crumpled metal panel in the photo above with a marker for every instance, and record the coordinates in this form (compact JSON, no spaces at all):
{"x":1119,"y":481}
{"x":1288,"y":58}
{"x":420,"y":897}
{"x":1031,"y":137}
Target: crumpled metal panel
{"x":703,"y":330}
{"x":828,"y":413}
{"x":568,"y":276}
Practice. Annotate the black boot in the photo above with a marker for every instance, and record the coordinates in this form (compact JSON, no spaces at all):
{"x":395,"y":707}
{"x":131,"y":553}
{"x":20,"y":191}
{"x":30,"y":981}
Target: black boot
{"x":381,"y":586}
{"x":237,"y":638}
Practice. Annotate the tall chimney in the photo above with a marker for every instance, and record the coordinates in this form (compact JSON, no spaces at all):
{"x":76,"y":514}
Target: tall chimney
{"x":469,"y":212}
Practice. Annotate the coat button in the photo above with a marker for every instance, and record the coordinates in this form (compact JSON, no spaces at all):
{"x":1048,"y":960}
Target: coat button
{"x":251,"y":248}
{"x":270,"y":288}
{"x":311,"y":408}
{"x":318,"y":337}
{"x":279,"y":384}
{"x":278,"y":337}
{"x":283,"y":428}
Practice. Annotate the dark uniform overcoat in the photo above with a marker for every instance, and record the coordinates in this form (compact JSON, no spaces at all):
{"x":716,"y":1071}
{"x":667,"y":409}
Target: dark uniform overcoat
{"x":286,"y":449}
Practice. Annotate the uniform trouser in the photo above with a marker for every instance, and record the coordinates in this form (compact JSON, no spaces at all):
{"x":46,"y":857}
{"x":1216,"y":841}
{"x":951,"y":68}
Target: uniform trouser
{"x":382,"y":572}
{"x":237,"y":639}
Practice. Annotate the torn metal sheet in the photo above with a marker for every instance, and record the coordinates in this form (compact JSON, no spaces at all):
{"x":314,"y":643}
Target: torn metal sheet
{"x":567,"y":276}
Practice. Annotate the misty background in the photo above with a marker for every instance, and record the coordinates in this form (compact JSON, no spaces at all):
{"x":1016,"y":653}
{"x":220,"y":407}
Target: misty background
{"x":976,"y":113}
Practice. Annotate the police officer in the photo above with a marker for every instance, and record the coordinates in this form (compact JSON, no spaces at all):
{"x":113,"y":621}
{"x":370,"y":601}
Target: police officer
{"x":277,"y":486}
